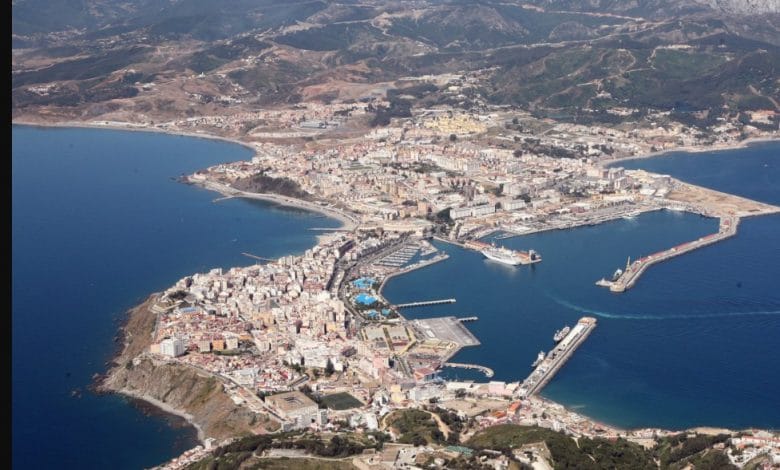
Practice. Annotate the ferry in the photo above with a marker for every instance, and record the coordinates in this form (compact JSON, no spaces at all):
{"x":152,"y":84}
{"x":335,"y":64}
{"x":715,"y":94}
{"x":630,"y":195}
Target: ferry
{"x":510,"y":257}
{"x":502,"y":255}
{"x":539,"y":359}
{"x":560,"y":334}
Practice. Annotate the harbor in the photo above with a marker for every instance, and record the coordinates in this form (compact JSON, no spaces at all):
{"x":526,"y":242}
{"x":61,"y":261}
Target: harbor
{"x":548,"y":365}
{"x":623,"y":280}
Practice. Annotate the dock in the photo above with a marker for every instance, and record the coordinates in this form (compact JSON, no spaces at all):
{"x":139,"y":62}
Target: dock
{"x":557,"y":357}
{"x":445,"y":329}
{"x":425,"y":303}
{"x":727,"y":228}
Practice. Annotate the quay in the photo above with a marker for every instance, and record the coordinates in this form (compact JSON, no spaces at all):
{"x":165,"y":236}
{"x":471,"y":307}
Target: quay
{"x":485,"y":370}
{"x":727,"y":228}
{"x":557,"y":357}
{"x":425,"y":303}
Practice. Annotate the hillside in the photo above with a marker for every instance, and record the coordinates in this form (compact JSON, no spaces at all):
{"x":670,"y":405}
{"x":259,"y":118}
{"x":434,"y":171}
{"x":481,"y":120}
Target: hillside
{"x":561,"y":59}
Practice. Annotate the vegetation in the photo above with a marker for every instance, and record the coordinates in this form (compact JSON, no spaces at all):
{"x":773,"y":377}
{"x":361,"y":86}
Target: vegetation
{"x":242,"y":451}
{"x":674,"y":451}
{"x":261,"y":183}
{"x":416,"y":427}
{"x":341,"y":401}
{"x":566,"y":453}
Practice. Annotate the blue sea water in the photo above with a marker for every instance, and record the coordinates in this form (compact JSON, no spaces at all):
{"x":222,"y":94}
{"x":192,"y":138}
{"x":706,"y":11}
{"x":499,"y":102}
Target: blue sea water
{"x":97,"y":225}
{"x":695,"y":342}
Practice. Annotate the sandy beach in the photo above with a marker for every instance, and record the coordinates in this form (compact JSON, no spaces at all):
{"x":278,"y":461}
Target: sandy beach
{"x":689,"y":149}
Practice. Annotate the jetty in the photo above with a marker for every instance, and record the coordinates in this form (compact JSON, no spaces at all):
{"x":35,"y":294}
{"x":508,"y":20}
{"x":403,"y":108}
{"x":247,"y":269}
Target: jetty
{"x":259,"y":258}
{"x":557,"y":357}
{"x":425,"y":303}
{"x":485,"y":370}
{"x":633,"y":271}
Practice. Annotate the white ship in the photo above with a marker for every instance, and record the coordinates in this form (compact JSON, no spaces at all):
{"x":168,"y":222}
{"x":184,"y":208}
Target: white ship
{"x":502,"y":255}
{"x":539,"y":359}
{"x":560,"y":334}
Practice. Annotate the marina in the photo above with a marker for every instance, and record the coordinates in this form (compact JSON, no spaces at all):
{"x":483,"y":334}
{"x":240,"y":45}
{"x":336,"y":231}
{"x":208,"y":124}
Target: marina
{"x":485,"y":370}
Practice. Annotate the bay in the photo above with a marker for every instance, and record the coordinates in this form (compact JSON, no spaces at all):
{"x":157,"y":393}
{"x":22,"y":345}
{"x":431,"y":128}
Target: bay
{"x":98,"y":224}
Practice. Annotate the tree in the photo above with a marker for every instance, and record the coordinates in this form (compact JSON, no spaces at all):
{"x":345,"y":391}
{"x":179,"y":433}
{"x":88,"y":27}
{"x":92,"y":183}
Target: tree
{"x":329,"y":368}
{"x":453,"y":137}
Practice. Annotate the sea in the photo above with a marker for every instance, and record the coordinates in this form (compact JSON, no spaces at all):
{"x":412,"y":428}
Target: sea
{"x":99,"y":222}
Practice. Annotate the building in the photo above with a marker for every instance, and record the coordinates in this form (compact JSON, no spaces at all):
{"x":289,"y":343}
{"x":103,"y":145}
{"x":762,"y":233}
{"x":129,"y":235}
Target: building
{"x":172,"y":347}
{"x":295,"y":407}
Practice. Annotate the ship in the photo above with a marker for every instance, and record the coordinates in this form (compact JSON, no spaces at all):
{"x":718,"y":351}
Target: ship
{"x":539,"y":359}
{"x":560,"y":334}
{"x":502,"y":255}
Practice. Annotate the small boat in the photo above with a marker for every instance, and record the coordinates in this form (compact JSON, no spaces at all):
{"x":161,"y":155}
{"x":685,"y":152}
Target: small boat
{"x":560,"y":334}
{"x":539,"y":359}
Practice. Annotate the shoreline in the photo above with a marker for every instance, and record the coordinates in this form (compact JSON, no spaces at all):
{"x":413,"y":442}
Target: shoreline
{"x":100,"y":386}
{"x":133,"y":128}
{"x":311,"y":207}
{"x":690,"y":149}
{"x":347,"y":223}
{"x":166,"y":409}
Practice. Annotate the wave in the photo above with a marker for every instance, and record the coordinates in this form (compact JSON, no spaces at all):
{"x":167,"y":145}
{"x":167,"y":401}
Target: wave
{"x":620,"y":316}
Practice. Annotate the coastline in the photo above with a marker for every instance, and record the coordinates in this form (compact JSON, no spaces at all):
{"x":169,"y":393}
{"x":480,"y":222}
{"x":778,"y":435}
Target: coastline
{"x":690,"y":149}
{"x":304,"y":205}
{"x":165,"y":408}
{"x":347,"y":222}
{"x":124,"y":337}
{"x":134,"y":128}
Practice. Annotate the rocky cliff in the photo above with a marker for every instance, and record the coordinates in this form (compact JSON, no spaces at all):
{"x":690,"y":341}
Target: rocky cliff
{"x":197,"y":395}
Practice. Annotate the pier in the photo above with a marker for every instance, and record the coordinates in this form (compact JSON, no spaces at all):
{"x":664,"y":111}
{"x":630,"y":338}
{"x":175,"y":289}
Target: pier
{"x":728,"y":228}
{"x":425,"y":303}
{"x":485,"y":370}
{"x":259,"y":258}
{"x":557,"y":357}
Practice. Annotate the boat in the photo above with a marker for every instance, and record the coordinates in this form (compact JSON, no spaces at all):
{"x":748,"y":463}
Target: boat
{"x":617,"y":274}
{"x":560,"y":334}
{"x":502,"y":255}
{"x":539,"y":359}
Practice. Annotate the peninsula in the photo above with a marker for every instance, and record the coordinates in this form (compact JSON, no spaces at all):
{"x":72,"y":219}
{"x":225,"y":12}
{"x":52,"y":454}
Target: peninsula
{"x":411,"y":123}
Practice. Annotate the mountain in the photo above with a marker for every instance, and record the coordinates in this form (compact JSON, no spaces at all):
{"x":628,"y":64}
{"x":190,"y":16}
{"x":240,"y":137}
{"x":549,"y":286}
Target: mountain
{"x":560,"y":58}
